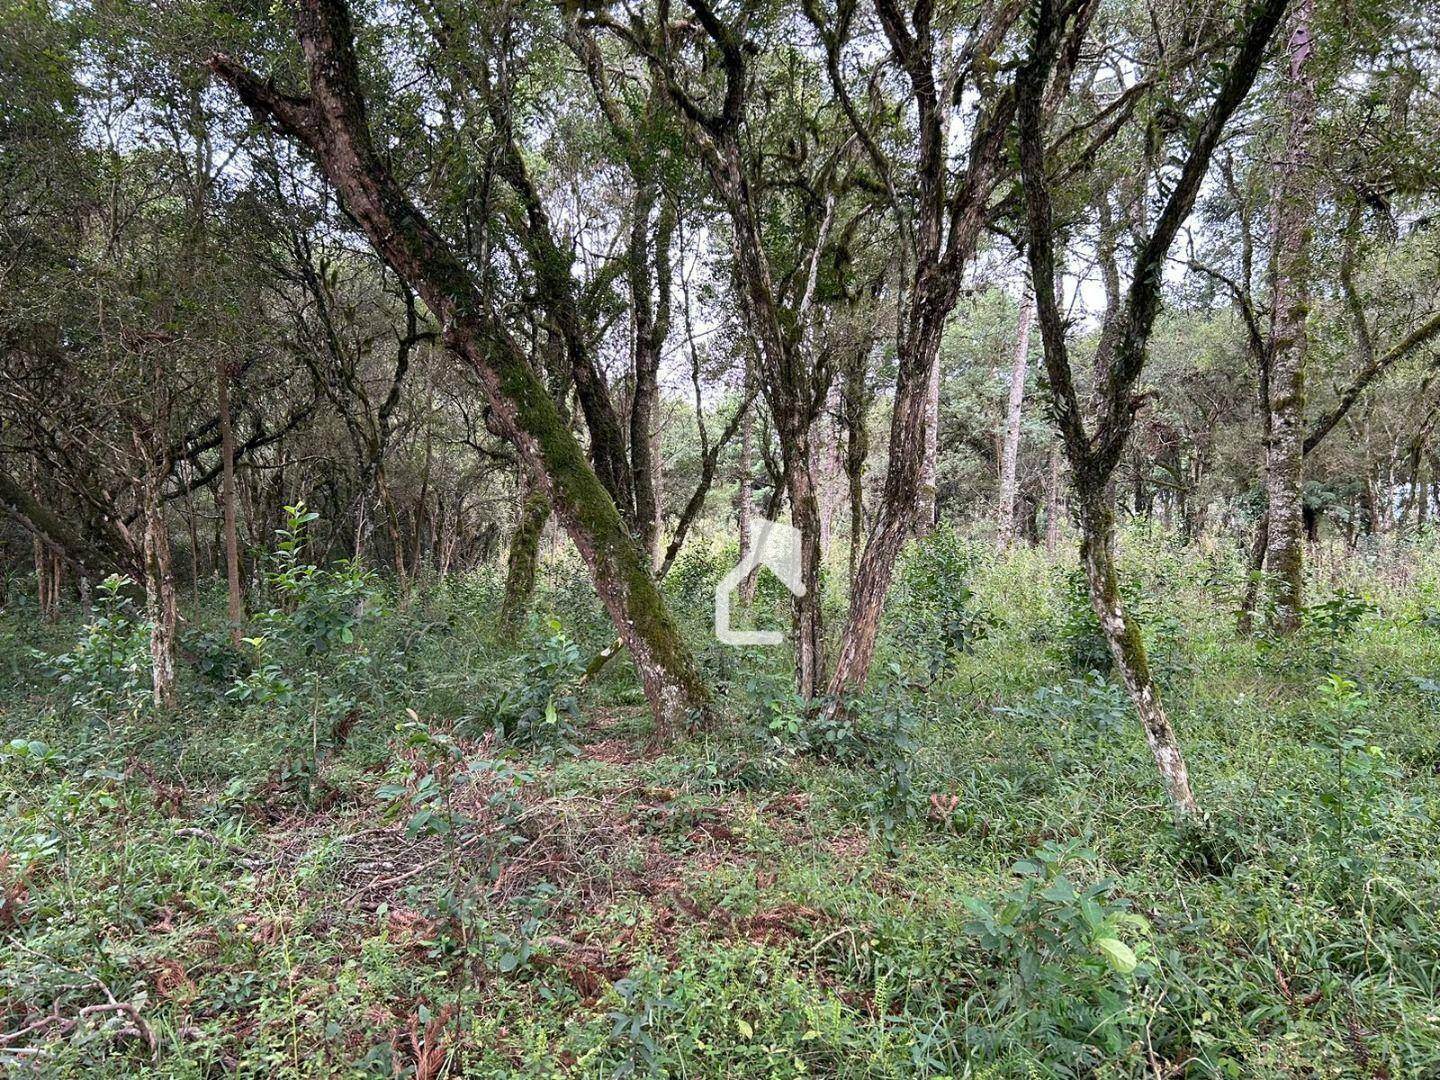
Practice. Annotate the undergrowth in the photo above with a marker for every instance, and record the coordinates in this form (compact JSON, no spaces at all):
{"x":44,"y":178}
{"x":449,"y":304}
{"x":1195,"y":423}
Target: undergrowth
{"x":379,"y":838}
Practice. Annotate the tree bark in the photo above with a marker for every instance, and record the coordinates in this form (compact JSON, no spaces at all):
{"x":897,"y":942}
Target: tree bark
{"x":105,"y":547}
{"x":855,"y":409}
{"x":332,"y":124}
{"x":944,"y":234}
{"x":1122,"y":634}
{"x":1294,"y":213}
{"x":1010,"y":453}
{"x":1254,"y":569}
{"x":808,"y":619}
{"x":927,"y":515}
{"x":236,"y":599}
{"x":894,"y":518}
{"x":650,"y":306}
{"x":531,"y":514}
{"x":744,"y":497}
{"x":1052,"y":502}
{"x":159,"y":580}
{"x":49,"y":568}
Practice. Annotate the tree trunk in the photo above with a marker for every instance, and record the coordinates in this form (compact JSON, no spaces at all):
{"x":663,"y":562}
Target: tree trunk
{"x":1010,"y":452}
{"x":49,"y":570}
{"x":650,"y":307}
{"x":1294,"y":211}
{"x":808,"y":617}
{"x":895,"y":516}
{"x":1254,"y":570}
{"x":1097,"y":555}
{"x":159,"y":584}
{"x":927,"y":514}
{"x":1052,"y":502}
{"x":855,"y":408}
{"x":333,"y":124}
{"x":744,"y":498}
{"x":227,"y":504}
{"x":93,"y":551}
{"x":391,"y":514}
{"x":531,"y":514}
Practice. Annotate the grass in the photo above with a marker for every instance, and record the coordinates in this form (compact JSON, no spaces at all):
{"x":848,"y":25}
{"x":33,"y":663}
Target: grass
{"x":354,"y":875}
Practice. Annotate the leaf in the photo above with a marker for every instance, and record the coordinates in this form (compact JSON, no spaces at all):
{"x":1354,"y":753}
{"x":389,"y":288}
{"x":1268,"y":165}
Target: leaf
{"x":1118,"y":954}
{"x":1060,"y":891}
{"x":745,"y":1029}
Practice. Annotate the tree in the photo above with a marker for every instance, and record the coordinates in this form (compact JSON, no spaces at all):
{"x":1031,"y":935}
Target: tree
{"x":331,"y":123}
{"x":938,"y":219}
{"x":1094,"y":456}
{"x":1294,"y":209}
{"x":1005,"y":527}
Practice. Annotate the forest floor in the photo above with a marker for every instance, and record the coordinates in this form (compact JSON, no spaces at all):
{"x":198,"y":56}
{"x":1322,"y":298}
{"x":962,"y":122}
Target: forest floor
{"x":440,"y":860}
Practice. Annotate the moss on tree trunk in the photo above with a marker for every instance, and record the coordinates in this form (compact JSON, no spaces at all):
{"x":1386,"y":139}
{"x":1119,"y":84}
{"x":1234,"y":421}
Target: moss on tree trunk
{"x":531,"y":515}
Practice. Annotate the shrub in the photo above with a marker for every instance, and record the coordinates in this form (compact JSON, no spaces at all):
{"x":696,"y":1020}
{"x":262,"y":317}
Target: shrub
{"x":939,"y":615}
{"x":1063,"y":964}
{"x":107,"y":673}
{"x":539,"y":706}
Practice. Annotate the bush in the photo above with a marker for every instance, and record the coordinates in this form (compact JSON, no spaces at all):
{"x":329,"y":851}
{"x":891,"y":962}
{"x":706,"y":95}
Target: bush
{"x":1064,"y":965}
{"x":107,"y":673}
{"x":1083,"y":646}
{"x":938,"y":613}
{"x":539,"y":706}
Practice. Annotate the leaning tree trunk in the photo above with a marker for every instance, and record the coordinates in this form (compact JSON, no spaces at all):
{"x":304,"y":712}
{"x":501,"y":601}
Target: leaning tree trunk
{"x":1122,"y":633}
{"x":1294,"y":213}
{"x":1010,"y":451}
{"x":332,"y":123}
{"x":227,"y":501}
{"x":531,"y":514}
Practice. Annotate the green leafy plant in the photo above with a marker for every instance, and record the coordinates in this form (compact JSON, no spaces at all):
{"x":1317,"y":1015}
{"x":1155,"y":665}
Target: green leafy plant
{"x":1354,"y":790}
{"x":107,"y":673}
{"x":940,"y":614}
{"x":644,"y":1002}
{"x":539,"y":707}
{"x":1065,"y":960}
{"x":321,"y":608}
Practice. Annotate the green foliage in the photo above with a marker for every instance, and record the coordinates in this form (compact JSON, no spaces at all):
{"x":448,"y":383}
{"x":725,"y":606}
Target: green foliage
{"x":642,"y":1007}
{"x":936,"y":609}
{"x":315,"y":627}
{"x":107,"y":673}
{"x":1090,"y":704}
{"x":897,"y":892}
{"x":539,"y":707}
{"x":1083,"y":644}
{"x":888,"y":729}
{"x":1355,"y":788}
{"x":321,"y":609}
{"x":1067,"y":961}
